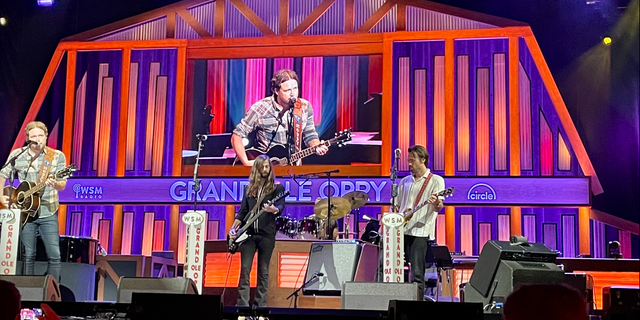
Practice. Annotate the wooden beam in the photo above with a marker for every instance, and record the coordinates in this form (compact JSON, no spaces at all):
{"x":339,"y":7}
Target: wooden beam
{"x":171,"y":25}
{"x":132,"y":21}
{"x":514,"y":106}
{"x":69,"y":104}
{"x":377,"y":16}
{"x":457,"y":34}
{"x":124,"y":106}
{"x":387,"y":106}
{"x":193,"y":23}
{"x":312,"y":17}
{"x":614,"y":221}
{"x":349,"y":16}
{"x":563,"y":112}
{"x":283,"y":51}
{"x":401,"y":17}
{"x":41,"y":94}
{"x":181,"y":78}
{"x":218,"y":20}
{"x":174,"y":230}
{"x":283,"y":21}
{"x":253,"y":17}
{"x":119,"y":45}
{"x":62,"y":219}
{"x":286,"y":40}
{"x":449,"y":109}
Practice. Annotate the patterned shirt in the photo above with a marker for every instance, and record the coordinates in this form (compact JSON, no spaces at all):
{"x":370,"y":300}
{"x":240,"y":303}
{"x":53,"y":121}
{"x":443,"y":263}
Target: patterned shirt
{"x":263,"y":117}
{"x":423,"y":222}
{"x":28,"y":170}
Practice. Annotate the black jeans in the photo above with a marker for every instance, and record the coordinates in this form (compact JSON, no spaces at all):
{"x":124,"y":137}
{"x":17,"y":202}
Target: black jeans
{"x":264,"y":246}
{"x":415,"y":250}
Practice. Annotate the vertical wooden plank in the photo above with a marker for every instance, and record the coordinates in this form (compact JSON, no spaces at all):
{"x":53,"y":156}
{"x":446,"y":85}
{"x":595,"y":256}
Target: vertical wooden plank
{"x":449,"y":118}
{"x":516,"y":218}
{"x":450,"y":227}
{"x":218,"y":20}
{"x":283,"y":22}
{"x":174,"y":228}
{"x":387,"y":104}
{"x":584,"y":232}
{"x":229,"y":217}
{"x":116,"y":238}
{"x":122,"y":121}
{"x":349,"y":16}
{"x":69,"y":103}
{"x":171,"y":25}
{"x":401,"y":17}
{"x":62,"y":219}
{"x":514,"y":107}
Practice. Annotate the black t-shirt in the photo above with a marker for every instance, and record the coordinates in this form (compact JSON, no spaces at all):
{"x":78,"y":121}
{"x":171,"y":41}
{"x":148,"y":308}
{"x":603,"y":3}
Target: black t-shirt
{"x":267,"y":220}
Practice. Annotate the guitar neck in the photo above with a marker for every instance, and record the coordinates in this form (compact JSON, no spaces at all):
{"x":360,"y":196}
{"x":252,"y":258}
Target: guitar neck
{"x":309,"y":151}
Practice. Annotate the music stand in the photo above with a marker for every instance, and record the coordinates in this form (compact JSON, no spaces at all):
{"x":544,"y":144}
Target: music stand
{"x":442,"y":258}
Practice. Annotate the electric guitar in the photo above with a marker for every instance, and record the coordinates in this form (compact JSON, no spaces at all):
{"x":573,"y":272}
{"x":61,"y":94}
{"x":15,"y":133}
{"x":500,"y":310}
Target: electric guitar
{"x":26,"y":196}
{"x":241,"y":234}
{"x":278,"y":153}
{"x":444,"y":193}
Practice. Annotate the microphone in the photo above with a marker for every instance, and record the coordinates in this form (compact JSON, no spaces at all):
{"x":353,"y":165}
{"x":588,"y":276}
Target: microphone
{"x":318,"y":274}
{"x":29,"y":143}
{"x":398,"y":152}
{"x":366,"y":217}
{"x":293,"y":100}
{"x":202,"y":137}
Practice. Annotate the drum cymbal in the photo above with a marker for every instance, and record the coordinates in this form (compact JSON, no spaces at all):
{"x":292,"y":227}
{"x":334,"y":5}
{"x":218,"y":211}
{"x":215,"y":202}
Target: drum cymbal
{"x":356,"y":198}
{"x":340,"y":208}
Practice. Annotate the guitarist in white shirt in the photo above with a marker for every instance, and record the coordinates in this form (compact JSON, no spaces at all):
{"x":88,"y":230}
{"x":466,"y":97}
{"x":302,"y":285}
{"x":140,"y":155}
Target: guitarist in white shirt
{"x":420,"y":186}
{"x":262,"y":189}
{"x":28,"y":167}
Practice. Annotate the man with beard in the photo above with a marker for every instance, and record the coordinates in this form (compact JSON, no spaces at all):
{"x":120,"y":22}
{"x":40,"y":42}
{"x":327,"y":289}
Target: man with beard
{"x":259,"y":192}
{"x":282,"y":118}
{"x":420,"y":186}
{"x":38,"y":165}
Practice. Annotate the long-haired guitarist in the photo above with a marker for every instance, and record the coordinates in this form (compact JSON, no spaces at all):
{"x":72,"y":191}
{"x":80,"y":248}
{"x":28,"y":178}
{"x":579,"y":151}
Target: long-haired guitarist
{"x":259,"y":192}
{"x":420,"y":186}
{"x":282,"y":118}
{"x":38,"y":165}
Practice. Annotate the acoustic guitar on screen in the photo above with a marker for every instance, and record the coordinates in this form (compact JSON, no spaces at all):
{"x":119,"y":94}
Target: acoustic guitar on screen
{"x":26,"y":196}
{"x":278,"y":152}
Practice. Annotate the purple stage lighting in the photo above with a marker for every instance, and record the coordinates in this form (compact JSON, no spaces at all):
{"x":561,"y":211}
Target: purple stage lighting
{"x":45,"y":3}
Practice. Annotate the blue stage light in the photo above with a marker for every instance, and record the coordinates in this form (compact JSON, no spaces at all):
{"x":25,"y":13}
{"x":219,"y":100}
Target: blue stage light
{"x":45,"y":3}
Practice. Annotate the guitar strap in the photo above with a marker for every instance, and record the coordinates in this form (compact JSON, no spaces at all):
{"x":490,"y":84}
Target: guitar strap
{"x":298,"y":116}
{"x":424,"y":186}
{"x":46,"y":165}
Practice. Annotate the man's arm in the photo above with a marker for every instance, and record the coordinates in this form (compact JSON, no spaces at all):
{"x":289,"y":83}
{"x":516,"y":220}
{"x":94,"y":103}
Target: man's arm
{"x":310,"y":135}
{"x":3,"y":199}
{"x":238,"y":147}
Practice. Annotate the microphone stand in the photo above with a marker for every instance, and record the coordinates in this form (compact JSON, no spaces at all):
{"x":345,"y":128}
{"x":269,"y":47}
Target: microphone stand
{"x":393,"y":176}
{"x":328,"y":174}
{"x":294,"y":294}
{"x":196,"y":180}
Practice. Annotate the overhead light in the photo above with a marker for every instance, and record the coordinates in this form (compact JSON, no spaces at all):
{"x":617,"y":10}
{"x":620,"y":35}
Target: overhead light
{"x":606,"y":41}
{"x":45,"y":3}
{"x":3,"y":21}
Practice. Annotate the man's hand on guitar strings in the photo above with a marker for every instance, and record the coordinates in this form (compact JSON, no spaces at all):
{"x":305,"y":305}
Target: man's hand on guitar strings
{"x":321,"y":149}
{"x":269,"y":207}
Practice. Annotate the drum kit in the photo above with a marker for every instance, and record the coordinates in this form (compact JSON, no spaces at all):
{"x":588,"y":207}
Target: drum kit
{"x":313,"y":227}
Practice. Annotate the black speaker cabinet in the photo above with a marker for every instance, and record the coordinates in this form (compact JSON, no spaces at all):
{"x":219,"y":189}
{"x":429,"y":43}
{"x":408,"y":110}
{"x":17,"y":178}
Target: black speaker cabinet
{"x":620,"y":296}
{"x":35,"y":288}
{"x":339,"y":262}
{"x":420,"y":310}
{"x":127,"y":286}
{"x":376,"y":295}
{"x":174,"y":306}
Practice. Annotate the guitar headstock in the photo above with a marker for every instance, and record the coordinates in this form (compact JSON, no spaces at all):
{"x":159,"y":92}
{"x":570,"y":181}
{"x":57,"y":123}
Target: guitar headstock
{"x":67,"y":171}
{"x":446,"y":192}
{"x":342,"y":137}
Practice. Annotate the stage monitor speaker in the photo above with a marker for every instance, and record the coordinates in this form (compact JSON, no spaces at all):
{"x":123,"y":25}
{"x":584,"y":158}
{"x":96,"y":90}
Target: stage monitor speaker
{"x":376,"y":295}
{"x":339,"y":262}
{"x":127,"y":286}
{"x":35,"y":288}
{"x":182,"y":306}
{"x":620,"y":297}
{"x":419,"y":310}
{"x":583,"y":282}
{"x":502,"y":267}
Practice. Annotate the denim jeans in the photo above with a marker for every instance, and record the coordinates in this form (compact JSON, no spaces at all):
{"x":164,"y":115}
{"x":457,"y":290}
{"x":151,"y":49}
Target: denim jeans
{"x":264,"y":246}
{"x":416,"y":249}
{"x":48,"y":229}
